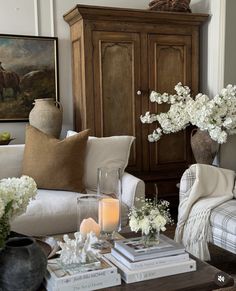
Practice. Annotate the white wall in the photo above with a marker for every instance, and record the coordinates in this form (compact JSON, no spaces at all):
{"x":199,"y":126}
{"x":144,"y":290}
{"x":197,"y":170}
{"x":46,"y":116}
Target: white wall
{"x":230,"y":44}
{"x":17,"y":17}
{"x":45,"y":18}
{"x":212,"y":51}
{"x":228,"y":150}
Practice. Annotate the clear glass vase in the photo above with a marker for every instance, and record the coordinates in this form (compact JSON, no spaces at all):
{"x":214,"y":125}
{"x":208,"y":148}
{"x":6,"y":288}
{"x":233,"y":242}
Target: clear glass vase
{"x":151,"y":239}
{"x":109,"y":189}
{"x":87,"y":214}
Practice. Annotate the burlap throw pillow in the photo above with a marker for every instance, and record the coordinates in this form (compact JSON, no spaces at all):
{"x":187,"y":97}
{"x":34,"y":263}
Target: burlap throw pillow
{"x":53,"y":163}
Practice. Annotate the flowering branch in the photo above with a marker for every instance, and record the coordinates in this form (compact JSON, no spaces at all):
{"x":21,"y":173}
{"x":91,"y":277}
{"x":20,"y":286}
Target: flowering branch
{"x":217,"y":115}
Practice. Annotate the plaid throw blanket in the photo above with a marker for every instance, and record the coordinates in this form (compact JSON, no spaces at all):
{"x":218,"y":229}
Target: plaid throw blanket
{"x":211,"y":187}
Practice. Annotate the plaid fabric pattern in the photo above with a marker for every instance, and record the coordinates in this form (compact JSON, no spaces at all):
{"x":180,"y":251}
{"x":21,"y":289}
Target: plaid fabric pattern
{"x":224,"y":217}
{"x":186,"y":183}
{"x":224,"y":240}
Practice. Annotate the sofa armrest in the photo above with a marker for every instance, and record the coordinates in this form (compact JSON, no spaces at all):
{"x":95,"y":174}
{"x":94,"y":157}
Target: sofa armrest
{"x":132,"y":188}
{"x":187,"y":180}
{"x":11,"y":157}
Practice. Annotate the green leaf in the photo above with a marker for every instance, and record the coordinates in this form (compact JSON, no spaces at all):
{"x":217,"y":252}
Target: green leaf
{"x":8,"y":206}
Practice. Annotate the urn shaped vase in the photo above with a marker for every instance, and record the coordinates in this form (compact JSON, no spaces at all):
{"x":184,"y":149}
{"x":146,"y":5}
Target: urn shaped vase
{"x":203,"y":147}
{"x":23,"y":265}
{"x":46,"y":116}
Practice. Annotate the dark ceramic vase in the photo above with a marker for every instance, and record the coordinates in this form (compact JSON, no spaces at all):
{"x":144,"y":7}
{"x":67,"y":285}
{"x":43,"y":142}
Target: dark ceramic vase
{"x":22,"y":265}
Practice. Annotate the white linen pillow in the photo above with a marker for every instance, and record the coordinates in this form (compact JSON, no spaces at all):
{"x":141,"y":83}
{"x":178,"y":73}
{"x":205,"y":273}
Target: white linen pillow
{"x":110,"y":152}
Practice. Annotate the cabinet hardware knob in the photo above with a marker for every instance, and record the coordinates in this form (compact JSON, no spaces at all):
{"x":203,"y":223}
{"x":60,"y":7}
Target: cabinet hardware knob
{"x":139,"y":92}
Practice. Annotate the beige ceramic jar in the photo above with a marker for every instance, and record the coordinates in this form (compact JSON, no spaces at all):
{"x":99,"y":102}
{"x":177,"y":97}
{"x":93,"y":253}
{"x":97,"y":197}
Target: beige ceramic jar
{"x":46,"y":116}
{"x":203,"y":147}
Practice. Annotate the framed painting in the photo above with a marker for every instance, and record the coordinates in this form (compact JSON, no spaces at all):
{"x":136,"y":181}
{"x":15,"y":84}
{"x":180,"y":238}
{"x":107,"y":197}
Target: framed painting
{"x":28,"y":71}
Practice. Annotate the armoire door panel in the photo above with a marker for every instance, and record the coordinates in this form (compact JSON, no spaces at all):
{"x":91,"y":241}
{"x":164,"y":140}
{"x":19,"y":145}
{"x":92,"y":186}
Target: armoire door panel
{"x":116,"y":79}
{"x":117,"y":84}
{"x":169,"y":64}
{"x":166,"y":58}
{"x":171,"y":148}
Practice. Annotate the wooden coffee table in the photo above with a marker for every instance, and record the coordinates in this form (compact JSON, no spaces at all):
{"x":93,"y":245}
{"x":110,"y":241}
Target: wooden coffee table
{"x":205,"y":278}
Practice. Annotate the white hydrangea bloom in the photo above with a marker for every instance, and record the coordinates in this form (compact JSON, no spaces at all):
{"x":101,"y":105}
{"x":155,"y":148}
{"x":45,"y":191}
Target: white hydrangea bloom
{"x":18,"y":191}
{"x":159,"y":222}
{"x":144,"y":225}
{"x":134,"y":224}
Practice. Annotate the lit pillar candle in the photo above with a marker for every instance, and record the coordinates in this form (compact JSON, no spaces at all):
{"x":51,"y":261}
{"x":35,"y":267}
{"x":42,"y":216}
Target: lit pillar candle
{"x":88,"y":225}
{"x":109,"y":214}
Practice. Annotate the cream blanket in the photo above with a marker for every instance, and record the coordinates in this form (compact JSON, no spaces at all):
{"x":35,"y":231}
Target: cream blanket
{"x":212,"y":187}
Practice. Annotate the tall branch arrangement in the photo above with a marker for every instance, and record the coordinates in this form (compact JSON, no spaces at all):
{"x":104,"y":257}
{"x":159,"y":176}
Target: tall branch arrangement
{"x":217,"y":116}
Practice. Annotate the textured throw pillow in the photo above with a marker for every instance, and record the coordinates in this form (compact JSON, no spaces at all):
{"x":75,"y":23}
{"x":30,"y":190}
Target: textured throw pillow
{"x":53,"y":163}
{"x":110,"y":152}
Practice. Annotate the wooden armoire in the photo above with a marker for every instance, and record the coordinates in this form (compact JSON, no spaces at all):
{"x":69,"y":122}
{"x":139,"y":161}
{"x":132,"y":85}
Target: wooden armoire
{"x":118,"y":57}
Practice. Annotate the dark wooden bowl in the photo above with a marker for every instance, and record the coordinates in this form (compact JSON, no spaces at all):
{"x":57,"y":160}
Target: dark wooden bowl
{"x":6,"y":142}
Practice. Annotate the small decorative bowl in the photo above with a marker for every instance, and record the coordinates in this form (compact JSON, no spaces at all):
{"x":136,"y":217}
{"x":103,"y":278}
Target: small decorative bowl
{"x":6,"y":142}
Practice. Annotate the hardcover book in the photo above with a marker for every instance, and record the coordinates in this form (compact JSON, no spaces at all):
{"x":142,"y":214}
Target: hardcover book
{"x":59,"y":276}
{"x":87,"y":284}
{"x":148,"y":263}
{"x":132,"y":276}
{"x":135,"y":249}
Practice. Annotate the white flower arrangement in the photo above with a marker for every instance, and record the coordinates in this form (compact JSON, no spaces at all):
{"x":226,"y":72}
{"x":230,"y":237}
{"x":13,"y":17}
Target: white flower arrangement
{"x":217,"y":116}
{"x":151,"y":217}
{"x":15,"y":194}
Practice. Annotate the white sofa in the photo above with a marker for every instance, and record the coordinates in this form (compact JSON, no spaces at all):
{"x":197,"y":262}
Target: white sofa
{"x":55,"y":211}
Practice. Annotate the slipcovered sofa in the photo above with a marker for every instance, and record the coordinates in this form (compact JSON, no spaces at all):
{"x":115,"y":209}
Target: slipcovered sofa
{"x":222,"y":217}
{"x":55,"y":211}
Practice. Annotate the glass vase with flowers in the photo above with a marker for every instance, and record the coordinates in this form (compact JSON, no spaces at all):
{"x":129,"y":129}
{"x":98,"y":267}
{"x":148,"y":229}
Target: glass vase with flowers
{"x":150,"y":218}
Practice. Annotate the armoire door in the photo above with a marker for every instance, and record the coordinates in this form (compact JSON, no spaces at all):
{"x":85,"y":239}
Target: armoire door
{"x":169,"y":63}
{"x":116,"y":66}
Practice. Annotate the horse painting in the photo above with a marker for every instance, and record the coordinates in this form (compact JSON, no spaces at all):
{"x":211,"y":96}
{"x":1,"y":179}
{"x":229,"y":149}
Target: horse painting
{"x":9,"y":80}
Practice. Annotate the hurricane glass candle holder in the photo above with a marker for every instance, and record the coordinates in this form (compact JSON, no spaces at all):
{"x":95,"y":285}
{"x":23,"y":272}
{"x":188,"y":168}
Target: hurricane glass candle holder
{"x":87,"y":212}
{"x":109,"y":189}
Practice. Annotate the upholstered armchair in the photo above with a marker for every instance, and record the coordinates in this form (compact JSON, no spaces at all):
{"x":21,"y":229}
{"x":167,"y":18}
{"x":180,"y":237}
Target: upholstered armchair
{"x":215,"y":189}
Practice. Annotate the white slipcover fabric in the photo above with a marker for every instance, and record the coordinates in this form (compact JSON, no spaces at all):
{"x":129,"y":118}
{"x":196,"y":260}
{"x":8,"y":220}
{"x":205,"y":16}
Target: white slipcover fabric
{"x":53,"y":212}
{"x":11,"y":157}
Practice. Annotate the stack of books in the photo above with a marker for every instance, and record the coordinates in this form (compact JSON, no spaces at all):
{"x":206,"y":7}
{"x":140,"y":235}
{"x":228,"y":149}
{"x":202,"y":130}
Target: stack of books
{"x":59,"y":278}
{"x":136,"y":262}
